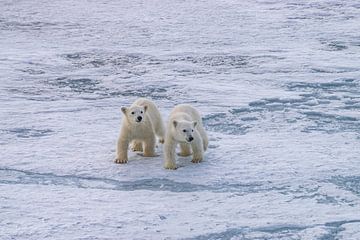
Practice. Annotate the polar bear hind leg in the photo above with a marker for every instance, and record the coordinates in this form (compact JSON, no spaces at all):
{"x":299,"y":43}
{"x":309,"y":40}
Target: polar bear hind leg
{"x":160,"y":130}
{"x":184,"y":150}
{"x":136,"y":146}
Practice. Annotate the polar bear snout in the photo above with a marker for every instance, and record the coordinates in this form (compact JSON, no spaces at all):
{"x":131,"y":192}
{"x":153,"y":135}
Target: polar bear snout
{"x":189,"y":139}
{"x":138,"y":119}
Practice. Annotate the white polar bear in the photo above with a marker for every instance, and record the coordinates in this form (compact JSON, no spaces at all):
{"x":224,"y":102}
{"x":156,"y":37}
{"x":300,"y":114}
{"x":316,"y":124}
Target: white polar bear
{"x":184,"y":127}
{"x":141,"y":122}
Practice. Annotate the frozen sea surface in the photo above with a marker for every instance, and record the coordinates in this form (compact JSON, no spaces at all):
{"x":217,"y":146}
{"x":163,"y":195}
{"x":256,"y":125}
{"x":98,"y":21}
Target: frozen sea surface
{"x":278,"y":83}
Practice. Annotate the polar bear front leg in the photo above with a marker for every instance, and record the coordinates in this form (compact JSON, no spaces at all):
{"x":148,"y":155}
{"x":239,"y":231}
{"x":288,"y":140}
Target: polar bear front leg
{"x":122,"y":148}
{"x":197,"y":148}
{"x":169,"y":154}
{"x":149,"y":146}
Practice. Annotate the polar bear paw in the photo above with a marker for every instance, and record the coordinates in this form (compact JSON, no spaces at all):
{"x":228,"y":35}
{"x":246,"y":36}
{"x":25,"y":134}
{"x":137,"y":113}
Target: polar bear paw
{"x":170,"y":165}
{"x":136,"y":147}
{"x":184,"y":154}
{"x":197,"y":159}
{"x":121,"y":160}
{"x":150,"y":154}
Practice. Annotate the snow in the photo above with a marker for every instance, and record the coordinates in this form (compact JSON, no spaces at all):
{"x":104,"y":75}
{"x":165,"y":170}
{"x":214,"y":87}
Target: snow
{"x":277,"y":83}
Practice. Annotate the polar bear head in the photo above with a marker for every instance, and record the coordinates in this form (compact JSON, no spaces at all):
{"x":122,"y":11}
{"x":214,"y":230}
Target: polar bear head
{"x":183,"y":131}
{"x":134,"y":114}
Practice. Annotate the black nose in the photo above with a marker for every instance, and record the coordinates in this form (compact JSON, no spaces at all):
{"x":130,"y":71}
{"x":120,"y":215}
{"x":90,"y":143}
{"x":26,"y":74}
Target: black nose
{"x":190,"y":139}
{"x":139,"y":118}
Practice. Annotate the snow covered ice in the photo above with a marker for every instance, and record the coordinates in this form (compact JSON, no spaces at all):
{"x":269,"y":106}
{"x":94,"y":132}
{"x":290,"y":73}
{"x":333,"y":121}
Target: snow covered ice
{"x":277,"y":82}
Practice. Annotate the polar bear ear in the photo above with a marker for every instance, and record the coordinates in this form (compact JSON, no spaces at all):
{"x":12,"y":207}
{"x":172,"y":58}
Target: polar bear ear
{"x":145,"y":108}
{"x":175,"y":123}
{"x":123,"y":109}
{"x":194,"y":124}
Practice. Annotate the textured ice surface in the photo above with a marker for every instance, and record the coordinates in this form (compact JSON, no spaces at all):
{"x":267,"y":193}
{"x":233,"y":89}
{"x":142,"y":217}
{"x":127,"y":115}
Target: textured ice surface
{"x":278,"y":85}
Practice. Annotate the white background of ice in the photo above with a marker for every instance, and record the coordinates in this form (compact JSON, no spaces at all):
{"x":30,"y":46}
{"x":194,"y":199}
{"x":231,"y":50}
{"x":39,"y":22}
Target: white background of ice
{"x":276,"y":81}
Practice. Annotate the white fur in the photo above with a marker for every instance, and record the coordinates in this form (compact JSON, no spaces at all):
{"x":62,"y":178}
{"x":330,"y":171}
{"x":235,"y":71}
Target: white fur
{"x":184,"y":122}
{"x":141,"y":134}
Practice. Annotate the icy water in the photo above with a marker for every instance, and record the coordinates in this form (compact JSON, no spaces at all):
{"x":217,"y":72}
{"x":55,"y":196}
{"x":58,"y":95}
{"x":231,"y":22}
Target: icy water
{"x":277,"y":82}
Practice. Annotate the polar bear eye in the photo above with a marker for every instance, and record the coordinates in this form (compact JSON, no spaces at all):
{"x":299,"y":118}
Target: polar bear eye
{"x":192,"y":130}
{"x":141,"y":112}
{"x":132,"y":113}
{"x":184,"y":130}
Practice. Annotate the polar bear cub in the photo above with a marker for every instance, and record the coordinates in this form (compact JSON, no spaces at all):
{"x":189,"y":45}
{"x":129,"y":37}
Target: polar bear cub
{"x":141,"y":122}
{"x":184,"y":127}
